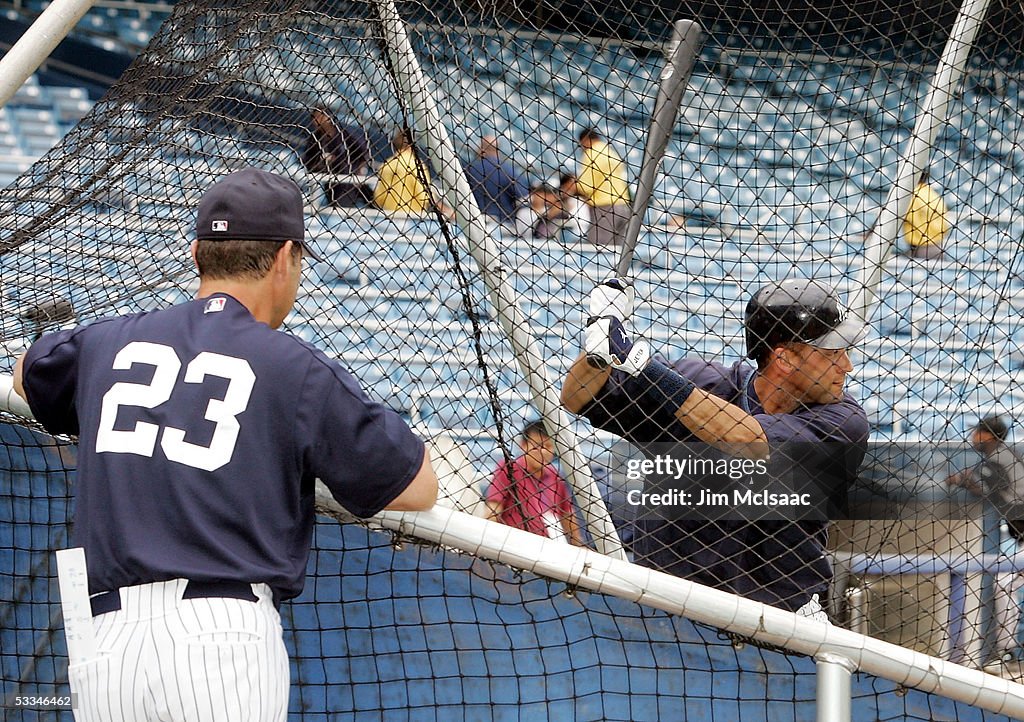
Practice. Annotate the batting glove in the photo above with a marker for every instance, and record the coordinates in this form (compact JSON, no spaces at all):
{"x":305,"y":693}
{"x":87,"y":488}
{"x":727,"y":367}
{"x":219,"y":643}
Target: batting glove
{"x":614,"y":297}
{"x":606,"y":343}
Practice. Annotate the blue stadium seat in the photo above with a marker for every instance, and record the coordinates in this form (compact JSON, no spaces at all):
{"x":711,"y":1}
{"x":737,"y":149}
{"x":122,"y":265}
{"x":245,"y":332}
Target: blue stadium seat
{"x":338,"y":268}
{"x":454,"y":413}
{"x":71,"y":104}
{"x":881,"y":415}
{"x":392,"y":387}
{"x":931,"y":423}
{"x":30,"y":95}
{"x":12,"y":167}
{"x":352,"y":339}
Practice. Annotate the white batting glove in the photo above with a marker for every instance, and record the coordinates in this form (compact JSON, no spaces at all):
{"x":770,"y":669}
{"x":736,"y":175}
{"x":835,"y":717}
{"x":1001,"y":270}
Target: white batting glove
{"x":606,"y":343}
{"x":613,"y":297}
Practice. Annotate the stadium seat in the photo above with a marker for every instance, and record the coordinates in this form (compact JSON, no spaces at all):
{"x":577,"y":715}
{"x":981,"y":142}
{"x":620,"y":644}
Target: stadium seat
{"x":339,"y":267}
{"x":881,"y":416}
{"x":392,"y":387}
{"x":12,"y":166}
{"x":453,"y":413}
{"x":30,"y":95}
{"x":352,"y":338}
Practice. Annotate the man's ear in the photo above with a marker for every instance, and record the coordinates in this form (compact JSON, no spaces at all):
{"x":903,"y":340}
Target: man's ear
{"x":193,"y":247}
{"x":282,"y":261}
{"x":785,"y":356}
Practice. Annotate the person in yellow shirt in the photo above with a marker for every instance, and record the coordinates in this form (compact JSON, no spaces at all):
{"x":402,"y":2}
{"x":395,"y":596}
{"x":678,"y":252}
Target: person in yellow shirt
{"x":602,"y":184}
{"x":398,"y":180}
{"x":927,"y":221}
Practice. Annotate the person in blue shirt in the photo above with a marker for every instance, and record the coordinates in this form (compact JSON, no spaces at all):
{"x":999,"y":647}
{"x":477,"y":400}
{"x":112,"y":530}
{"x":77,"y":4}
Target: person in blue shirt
{"x":498,"y":187}
{"x":201,"y":433}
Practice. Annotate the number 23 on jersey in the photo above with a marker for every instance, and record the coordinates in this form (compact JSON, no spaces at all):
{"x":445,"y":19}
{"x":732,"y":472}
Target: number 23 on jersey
{"x":142,"y":439}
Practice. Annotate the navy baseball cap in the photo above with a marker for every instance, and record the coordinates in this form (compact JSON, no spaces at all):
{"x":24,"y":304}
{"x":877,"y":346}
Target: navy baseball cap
{"x":799,"y":310}
{"x":253,"y":205}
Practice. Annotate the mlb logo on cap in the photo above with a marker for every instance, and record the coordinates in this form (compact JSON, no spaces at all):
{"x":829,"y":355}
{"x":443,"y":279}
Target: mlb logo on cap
{"x":220,"y":226}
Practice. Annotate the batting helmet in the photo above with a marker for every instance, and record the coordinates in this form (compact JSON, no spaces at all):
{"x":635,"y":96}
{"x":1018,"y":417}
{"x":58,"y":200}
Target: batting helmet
{"x":801,"y":311}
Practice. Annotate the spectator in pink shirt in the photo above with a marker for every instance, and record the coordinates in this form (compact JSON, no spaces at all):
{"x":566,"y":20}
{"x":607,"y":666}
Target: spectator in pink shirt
{"x":530,"y":494}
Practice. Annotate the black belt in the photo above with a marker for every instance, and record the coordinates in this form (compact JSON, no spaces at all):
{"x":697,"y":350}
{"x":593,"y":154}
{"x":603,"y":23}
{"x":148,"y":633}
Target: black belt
{"x":111,"y":601}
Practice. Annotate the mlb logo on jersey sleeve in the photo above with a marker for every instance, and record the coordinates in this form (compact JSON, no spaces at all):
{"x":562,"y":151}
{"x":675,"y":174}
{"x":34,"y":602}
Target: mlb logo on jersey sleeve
{"x":221,"y":226}
{"x":214,"y":305}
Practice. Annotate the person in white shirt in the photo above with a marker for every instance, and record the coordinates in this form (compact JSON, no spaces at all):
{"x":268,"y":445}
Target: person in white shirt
{"x":575,"y":215}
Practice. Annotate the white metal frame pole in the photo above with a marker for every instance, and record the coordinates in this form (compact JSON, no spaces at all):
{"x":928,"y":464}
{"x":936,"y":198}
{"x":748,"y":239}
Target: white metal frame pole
{"x":37,"y":43}
{"x":834,"y":703}
{"x":10,"y":401}
{"x":948,"y":74}
{"x":585,"y":569}
{"x":514,"y":321}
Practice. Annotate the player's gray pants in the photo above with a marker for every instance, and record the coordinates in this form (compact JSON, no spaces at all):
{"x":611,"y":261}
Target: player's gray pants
{"x":608,"y":224}
{"x":167,"y":658}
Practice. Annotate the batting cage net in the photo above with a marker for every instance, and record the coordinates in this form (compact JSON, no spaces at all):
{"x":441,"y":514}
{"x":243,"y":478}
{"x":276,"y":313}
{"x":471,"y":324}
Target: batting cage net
{"x":469,"y":171}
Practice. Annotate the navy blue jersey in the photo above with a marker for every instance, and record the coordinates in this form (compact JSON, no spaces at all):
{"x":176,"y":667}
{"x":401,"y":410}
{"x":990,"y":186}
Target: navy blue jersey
{"x":201,"y":433}
{"x":777,"y":562}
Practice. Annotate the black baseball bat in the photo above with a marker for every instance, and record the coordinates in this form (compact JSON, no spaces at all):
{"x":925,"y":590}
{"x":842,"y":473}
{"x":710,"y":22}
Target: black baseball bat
{"x":681,"y":56}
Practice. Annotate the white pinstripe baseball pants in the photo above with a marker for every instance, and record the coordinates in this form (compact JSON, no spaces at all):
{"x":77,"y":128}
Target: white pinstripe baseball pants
{"x":161,"y":657}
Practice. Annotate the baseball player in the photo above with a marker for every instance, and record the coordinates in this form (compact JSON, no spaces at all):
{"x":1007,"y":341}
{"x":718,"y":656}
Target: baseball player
{"x":999,"y":476}
{"x":798,"y":335}
{"x":201,"y":433}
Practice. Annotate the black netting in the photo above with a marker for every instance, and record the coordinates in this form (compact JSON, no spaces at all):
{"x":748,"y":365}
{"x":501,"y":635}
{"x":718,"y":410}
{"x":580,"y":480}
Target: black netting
{"x":788,"y":141}
{"x":418,"y":633}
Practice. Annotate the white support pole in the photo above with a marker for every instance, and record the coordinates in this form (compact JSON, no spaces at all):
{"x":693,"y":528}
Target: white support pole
{"x":857,"y":603}
{"x":484,"y":250}
{"x":37,"y":43}
{"x":948,"y":74}
{"x":834,"y":702}
{"x":9,"y":400}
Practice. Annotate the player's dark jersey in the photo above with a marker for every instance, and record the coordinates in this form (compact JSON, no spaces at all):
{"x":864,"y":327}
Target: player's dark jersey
{"x":1002,"y":474}
{"x":777,"y":562}
{"x":201,"y":432}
